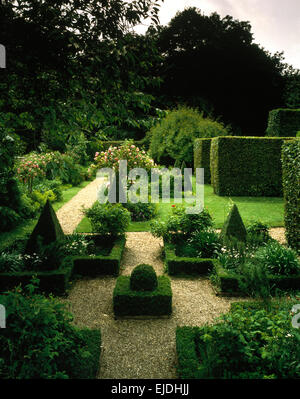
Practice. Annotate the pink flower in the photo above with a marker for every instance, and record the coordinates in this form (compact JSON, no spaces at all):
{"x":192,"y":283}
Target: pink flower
{"x":97,"y":153}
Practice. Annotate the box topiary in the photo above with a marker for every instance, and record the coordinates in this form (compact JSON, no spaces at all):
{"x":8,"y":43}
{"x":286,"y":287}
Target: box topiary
{"x":234,"y":228}
{"x":143,"y":278}
{"x":141,"y":303}
{"x":46,"y":231}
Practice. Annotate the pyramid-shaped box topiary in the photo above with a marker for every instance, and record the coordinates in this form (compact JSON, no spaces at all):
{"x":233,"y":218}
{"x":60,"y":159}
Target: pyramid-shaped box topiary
{"x":234,"y":228}
{"x":142,"y":294}
{"x":46,"y":231}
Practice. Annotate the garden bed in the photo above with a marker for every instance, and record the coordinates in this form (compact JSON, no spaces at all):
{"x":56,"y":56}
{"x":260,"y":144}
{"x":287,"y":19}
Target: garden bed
{"x":176,"y":265}
{"x":228,"y":282}
{"x":52,"y":281}
{"x":106,"y":261}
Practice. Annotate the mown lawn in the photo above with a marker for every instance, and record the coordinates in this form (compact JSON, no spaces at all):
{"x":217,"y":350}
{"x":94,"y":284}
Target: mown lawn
{"x":266,"y":209}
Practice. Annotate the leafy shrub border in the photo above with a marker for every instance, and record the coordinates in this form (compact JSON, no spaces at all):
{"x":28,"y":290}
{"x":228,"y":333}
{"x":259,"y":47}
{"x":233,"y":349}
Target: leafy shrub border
{"x":100,"y":265}
{"x":176,"y":265}
{"x":127,"y":302}
{"x":228,"y":282}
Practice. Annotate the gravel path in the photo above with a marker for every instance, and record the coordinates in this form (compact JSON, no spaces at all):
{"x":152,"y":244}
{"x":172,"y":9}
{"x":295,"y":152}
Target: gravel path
{"x":70,"y":214}
{"x":142,"y":348}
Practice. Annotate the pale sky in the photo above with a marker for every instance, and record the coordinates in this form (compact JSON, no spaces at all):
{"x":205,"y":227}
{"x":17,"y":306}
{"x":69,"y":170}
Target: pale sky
{"x":275,"y":23}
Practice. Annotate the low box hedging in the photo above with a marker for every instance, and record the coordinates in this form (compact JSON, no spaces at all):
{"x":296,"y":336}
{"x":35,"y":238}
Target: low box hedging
{"x":88,"y":367}
{"x":127,"y":302}
{"x":283,"y":122}
{"x":55,"y":282}
{"x":246,"y":166}
{"x":229,"y":282}
{"x":180,"y":265}
{"x":202,"y":157}
{"x":100,"y":265}
{"x":187,"y":358}
{"x":291,"y":191}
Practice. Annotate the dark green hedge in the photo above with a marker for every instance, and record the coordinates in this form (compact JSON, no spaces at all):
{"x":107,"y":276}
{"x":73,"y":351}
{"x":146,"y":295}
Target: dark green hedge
{"x":291,"y":191}
{"x":127,"y":302}
{"x":100,"y":265}
{"x":88,"y":367}
{"x":178,"y":265}
{"x":55,"y":282}
{"x":229,"y":282}
{"x":187,"y":359}
{"x":202,"y":157}
{"x":246,"y":166}
{"x":283,"y":122}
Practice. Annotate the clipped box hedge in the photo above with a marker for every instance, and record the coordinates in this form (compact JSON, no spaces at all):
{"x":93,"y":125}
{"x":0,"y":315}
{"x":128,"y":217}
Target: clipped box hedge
{"x":127,"y":302}
{"x":100,"y":265}
{"x":291,"y":191}
{"x":202,"y":157}
{"x":182,"y":265}
{"x":246,"y":166}
{"x":283,"y":122}
{"x":187,"y":358}
{"x":228,"y":282}
{"x":87,"y":367}
{"x":54,"y":281}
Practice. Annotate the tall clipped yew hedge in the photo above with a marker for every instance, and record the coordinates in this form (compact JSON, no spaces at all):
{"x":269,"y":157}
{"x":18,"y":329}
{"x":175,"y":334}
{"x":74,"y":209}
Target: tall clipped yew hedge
{"x":202,"y":157}
{"x":291,"y":190}
{"x":246,"y":166}
{"x":283,"y":122}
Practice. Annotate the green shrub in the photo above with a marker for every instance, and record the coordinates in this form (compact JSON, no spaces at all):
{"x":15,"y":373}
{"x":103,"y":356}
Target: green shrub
{"x":180,"y":223}
{"x":141,"y":211}
{"x":245,"y":343}
{"x":202,"y":157}
{"x":234,"y":227}
{"x":283,"y":122}
{"x":108,"y":218}
{"x":40,"y":341}
{"x":128,"y":302}
{"x":258,"y":233}
{"x":277,"y":259}
{"x":291,"y":191}
{"x":205,"y":243}
{"x":173,"y":138}
{"x":246,"y":166}
{"x":8,"y":218}
{"x":143,"y":278}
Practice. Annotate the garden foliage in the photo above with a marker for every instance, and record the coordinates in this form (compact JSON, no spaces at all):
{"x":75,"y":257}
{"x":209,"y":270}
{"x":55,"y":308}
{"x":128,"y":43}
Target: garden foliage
{"x":283,"y":122}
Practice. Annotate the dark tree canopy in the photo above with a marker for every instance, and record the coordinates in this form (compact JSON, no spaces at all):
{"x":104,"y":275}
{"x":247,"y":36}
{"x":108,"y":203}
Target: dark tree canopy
{"x":215,"y":59}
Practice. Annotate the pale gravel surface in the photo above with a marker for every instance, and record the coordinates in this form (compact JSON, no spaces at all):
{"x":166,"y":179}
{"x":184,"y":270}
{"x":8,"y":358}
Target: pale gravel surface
{"x":142,"y":348}
{"x":138,"y":348}
{"x":70,"y":214}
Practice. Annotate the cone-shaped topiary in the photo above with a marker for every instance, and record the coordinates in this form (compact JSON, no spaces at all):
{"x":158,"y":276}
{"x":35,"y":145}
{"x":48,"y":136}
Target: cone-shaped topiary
{"x":234,"y":227}
{"x":177,"y":164}
{"x":143,"y":278}
{"x":46,"y":231}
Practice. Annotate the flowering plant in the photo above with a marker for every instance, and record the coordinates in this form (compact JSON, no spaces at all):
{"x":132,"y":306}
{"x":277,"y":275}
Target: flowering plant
{"x":135,"y":158}
{"x":34,"y":166}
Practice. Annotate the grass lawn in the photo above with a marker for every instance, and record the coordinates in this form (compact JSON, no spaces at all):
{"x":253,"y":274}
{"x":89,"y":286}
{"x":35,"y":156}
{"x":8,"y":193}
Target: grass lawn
{"x":266,"y":209}
{"x":27,"y":226}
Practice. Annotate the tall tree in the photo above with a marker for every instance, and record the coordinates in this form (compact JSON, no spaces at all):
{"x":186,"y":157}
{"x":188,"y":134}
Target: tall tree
{"x":215,"y":59}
